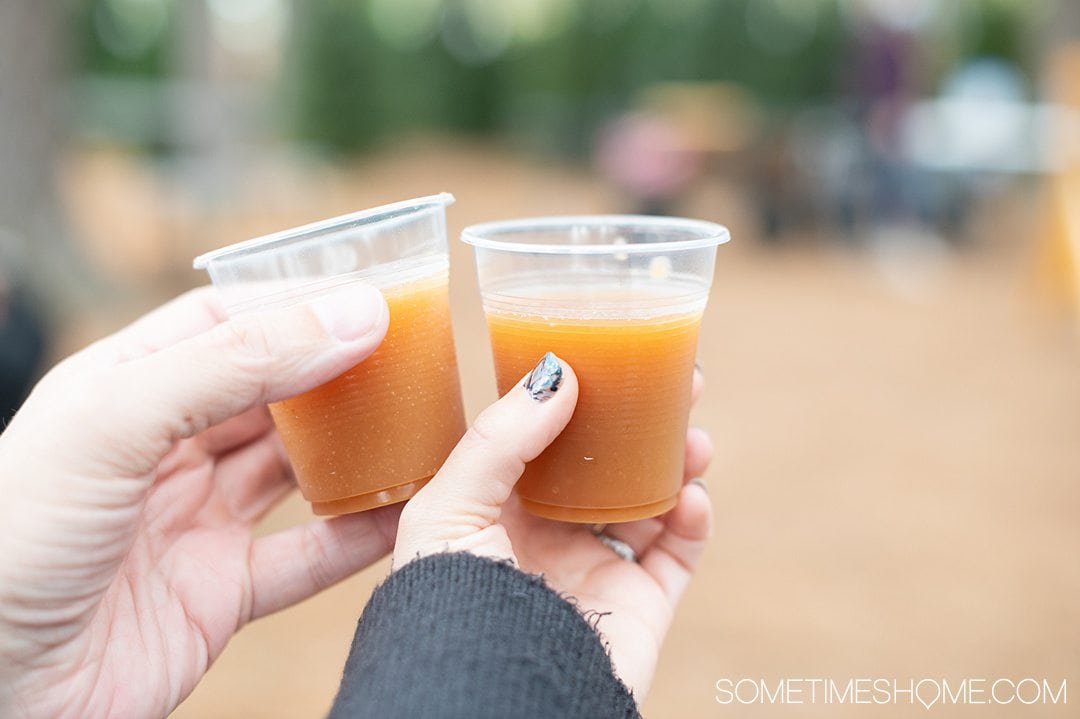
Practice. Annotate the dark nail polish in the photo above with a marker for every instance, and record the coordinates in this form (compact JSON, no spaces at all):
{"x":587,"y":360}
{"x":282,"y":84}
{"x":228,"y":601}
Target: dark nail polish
{"x":697,"y":366}
{"x":701,"y":483}
{"x":543,"y":382}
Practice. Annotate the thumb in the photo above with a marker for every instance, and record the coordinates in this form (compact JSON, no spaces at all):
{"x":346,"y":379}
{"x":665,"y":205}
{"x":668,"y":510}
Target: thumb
{"x":178,"y":391}
{"x":465,"y":498}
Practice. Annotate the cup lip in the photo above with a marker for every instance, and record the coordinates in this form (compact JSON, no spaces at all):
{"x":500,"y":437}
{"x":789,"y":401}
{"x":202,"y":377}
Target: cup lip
{"x":713,"y":234}
{"x":282,"y":237}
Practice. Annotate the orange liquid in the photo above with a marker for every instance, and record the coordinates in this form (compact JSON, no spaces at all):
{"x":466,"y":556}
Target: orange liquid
{"x":379,"y":432}
{"x":621,"y":456}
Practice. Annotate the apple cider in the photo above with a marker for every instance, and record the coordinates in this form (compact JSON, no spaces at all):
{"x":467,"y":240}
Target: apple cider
{"x":377,"y":434}
{"x":621,"y":456}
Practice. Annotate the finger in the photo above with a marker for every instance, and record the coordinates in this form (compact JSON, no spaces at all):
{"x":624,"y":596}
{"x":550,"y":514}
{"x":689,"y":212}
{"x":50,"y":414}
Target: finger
{"x":675,"y":554}
{"x":640,"y":534}
{"x":242,"y":363}
{"x":236,"y":431}
{"x":254,"y":478}
{"x":189,"y":314}
{"x":697,"y":386}
{"x":242,"y":487}
{"x":699,"y":453}
{"x":482,"y":470}
{"x":467,"y":494}
{"x":293,"y":564}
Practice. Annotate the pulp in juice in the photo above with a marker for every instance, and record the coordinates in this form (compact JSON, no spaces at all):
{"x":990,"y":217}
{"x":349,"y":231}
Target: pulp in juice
{"x":621,"y":456}
{"x":379,"y":432}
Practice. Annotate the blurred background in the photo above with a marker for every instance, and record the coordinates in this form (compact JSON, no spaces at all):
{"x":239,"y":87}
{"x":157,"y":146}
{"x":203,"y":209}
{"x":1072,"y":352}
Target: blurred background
{"x":891,"y":346}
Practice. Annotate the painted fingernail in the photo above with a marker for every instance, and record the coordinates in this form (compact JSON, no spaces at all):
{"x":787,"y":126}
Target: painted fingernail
{"x":543,"y":382}
{"x":701,"y":483}
{"x":698,"y":367}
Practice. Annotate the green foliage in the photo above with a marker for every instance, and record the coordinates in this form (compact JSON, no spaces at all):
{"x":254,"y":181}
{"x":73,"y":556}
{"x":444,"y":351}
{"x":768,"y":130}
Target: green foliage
{"x":355,"y":88}
{"x":122,"y":37}
{"x":546,"y":72}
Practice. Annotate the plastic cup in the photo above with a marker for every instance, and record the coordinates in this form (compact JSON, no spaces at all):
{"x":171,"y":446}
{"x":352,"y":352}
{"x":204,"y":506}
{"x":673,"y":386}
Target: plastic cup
{"x":376,"y":434}
{"x":620,"y":298}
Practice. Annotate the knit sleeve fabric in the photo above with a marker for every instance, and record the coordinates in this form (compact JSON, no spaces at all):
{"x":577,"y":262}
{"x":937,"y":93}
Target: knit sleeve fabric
{"x":456,"y":635}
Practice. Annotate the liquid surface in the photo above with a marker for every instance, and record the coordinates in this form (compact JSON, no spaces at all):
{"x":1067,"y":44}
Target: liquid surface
{"x":621,"y":456}
{"x":389,"y":421}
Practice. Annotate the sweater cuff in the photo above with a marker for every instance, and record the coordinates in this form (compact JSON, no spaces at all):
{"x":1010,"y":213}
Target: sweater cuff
{"x":456,"y":635}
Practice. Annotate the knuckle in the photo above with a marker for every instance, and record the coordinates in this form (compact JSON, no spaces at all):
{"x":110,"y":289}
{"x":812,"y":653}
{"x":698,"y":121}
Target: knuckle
{"x":484,"y":430}
{"x":248,"y":342}
{"x":413,"y":517}
{"x":249,"y":349}
{"x":316,"y":554}
{"x":188,"y":423}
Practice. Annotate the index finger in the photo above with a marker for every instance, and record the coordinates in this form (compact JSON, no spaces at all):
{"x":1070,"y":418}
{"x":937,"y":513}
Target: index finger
{"x":478,"y":477}
{"x":181,"y":318}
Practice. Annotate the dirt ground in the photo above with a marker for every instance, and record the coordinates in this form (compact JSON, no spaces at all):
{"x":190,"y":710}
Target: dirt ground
{"x":897,"y":478}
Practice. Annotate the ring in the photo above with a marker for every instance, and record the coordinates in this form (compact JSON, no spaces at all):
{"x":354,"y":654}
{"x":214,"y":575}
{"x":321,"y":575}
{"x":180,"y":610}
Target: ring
{"x":621,"y":548}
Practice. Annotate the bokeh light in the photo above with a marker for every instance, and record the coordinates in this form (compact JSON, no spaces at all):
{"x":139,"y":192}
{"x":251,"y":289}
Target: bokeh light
{"x":131,"y":28}
{"x":249,"y":27}
{"x":406,"y":25}
{"x":782,"y":27}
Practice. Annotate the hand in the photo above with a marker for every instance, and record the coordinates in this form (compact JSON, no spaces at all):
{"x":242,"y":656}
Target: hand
{"x":469,"y":506}
{"x":131,"y":479}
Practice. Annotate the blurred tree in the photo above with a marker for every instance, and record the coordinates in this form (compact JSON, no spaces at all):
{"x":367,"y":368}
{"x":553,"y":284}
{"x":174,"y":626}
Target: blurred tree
{"x":353,"y":86}
{"x":122,"y":53}
{"x":203,"y":123}
{"x":33,"y":69}
{"x":123,"y":37}
{"x":370,"y":68}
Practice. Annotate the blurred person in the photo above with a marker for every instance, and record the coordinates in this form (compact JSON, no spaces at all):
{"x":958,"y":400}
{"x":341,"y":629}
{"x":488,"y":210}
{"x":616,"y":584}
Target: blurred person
{"x":778,"y":190}
{"x":22,"y":348}
{"x":135,"y":471}
{"x":882,"y":63}
{"x":649,"y":159}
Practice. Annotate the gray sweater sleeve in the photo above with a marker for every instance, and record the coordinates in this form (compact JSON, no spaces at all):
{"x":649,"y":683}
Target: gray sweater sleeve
{"x":455,"y":635}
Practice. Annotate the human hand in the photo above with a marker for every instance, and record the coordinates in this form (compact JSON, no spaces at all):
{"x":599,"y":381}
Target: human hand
{"x":469,"y":506}
{"x":131,"y":479}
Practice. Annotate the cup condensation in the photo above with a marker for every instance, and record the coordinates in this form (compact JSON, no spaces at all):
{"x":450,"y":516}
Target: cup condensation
{"x":620,"y":298}
{"x":380,"y":431}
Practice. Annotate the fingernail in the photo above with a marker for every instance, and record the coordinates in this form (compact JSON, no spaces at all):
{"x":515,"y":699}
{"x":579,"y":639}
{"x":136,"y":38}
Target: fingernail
{"x":698,"y":367}
{"x":543,"y":382}
{"x":351,"y":312}
{"x":701,"y":483}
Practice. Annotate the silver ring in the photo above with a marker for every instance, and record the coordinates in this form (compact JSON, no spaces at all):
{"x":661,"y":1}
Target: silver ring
{"x":621,"y":548}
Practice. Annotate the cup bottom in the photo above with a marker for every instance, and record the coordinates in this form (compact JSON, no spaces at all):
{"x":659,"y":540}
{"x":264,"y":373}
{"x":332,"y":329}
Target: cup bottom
{"x":598,"y":515}
{"x":370,"y":500}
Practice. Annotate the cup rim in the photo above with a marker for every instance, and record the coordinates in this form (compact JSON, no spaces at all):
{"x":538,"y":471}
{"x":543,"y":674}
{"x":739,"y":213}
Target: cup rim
{"x":283,"y":237}
{"x":713,"y":234}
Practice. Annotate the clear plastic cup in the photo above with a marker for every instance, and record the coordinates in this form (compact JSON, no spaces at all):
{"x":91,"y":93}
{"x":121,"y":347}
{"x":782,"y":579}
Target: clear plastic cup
{"x":620,"y":298}
{"x":380,"y":431}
